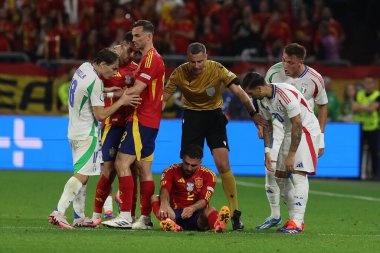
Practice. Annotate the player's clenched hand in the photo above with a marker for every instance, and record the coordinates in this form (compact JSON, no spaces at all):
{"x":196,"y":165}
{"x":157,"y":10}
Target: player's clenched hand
{"x":268,"y":162}
{"x":187,"y":212}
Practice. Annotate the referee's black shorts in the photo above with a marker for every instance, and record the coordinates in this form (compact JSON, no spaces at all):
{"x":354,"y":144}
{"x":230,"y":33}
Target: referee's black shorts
{"x":200,"y":125}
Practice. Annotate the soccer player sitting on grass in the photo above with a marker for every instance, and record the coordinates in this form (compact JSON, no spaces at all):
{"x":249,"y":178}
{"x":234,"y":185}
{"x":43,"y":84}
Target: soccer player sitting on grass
{"x":186,"y":190}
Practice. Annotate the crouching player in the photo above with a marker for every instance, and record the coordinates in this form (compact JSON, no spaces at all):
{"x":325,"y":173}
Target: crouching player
{"x":186,"y":189}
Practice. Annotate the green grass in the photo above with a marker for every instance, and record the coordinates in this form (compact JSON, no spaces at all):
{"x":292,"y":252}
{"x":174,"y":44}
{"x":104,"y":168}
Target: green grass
{"x":335,"y":223}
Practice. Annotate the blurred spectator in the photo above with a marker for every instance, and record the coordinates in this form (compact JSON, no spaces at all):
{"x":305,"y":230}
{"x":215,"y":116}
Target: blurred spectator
{"x":333,"y":106}
{"x":89,"y":46}
{"x":247,"y":33}
{"x":182,"y":32}
{"x":303,"y":31}
{"x":276,"y":35}
{"x":366,"y":112}
{"x":26,"y":33}
{"x":347,"y":113}
{"x":210,"y":38}
{"x":327,"y":46}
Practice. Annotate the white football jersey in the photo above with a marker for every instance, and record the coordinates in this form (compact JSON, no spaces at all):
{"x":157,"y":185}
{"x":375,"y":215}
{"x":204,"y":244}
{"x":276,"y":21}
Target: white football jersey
{"x":310,"y":83}
{"x":287,"y":102}
{"x":86,"y":91}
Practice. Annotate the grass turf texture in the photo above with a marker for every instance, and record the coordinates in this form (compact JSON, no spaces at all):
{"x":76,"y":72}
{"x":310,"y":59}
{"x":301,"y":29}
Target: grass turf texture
{"x":338,"y":219}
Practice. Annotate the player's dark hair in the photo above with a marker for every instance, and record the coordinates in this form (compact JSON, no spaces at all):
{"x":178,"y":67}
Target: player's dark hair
{"x":193,"y":151}
{"x":296,"y":50}
{"x":146,"y":25}
{"x":128,"y":37}
{"x":252,"y":80}
{"x":196,"y":48}
{"x":106,"y":55}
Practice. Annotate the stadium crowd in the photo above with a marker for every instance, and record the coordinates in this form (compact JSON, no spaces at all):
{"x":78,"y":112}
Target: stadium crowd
{"x":55,"y":29}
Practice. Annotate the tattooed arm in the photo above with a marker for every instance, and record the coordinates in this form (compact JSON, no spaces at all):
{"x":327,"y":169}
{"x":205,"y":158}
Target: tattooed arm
{"x":295,"y":141}
{"x":268,"y":140}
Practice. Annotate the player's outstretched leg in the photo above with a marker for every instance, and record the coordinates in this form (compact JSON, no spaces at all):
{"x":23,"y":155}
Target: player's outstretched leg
{"x":223,"y":219}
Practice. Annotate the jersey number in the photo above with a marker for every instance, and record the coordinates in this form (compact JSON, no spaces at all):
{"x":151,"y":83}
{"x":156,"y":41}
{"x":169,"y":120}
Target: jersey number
{"x":190,"y":196}
{"x":277,"y":116}
{"x":73,"y":87}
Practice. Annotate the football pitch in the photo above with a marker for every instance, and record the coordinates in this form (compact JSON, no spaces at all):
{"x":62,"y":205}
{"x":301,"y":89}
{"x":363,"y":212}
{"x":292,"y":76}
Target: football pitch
{"x":341,"y":216}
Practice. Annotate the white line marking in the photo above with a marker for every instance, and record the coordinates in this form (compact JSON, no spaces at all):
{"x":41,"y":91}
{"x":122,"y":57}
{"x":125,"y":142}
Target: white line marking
{"x":329,"y":194}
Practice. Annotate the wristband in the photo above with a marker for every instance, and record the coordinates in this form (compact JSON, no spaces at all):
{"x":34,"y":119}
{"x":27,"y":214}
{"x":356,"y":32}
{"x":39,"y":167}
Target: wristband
{"x":110,"y":94}
{"x":252,"y":114}
{"x":266,"y":150}
{"x":321,"y":140}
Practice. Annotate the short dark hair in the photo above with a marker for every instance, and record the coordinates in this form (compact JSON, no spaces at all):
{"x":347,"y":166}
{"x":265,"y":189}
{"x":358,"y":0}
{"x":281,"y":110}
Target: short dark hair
{"x":146,"y":25}
{"x":295,"y":49}
{"x":128,"y":37}
{"x":252,"y":80}
{"x":193,"y":151}
{"x":106,"y":55}
{"x":196,"y":48}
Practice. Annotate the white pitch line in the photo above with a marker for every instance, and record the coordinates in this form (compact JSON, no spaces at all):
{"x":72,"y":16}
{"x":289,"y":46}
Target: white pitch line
{"x":329,"y":194}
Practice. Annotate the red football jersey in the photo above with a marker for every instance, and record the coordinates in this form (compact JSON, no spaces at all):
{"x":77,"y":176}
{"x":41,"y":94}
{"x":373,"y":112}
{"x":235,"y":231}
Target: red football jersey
{"x":151,"y":71}
{"x":186,"y":191}
{"x":122,"y":78}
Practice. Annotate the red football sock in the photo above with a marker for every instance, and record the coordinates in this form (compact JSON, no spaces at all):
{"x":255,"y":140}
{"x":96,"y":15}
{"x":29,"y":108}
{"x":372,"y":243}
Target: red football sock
{"x":135,"y":193}
{"x":102,"y":191}
{"x":146,"y":192}
{"x":156,"y":209}
{"x":212,"y":217}
{"x":126,"y":193}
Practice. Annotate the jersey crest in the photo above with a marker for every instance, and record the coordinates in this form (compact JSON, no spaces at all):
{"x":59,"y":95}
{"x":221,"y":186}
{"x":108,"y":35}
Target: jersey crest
{"x":198,"y":183}
{"x":190,"y":186}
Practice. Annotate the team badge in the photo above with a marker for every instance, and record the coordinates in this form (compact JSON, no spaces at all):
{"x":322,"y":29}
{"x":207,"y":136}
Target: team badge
{"x":198,"y":183}
{"x":128,"y":79}
{"x":303,"y":89}
{"x":190,"y":186}
{"x":210,"y":91}
{"x":112,"y":152}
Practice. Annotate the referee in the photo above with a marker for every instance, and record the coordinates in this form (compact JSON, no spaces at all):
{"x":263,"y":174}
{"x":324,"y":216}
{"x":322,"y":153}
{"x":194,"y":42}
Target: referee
{"x":202,"y":82}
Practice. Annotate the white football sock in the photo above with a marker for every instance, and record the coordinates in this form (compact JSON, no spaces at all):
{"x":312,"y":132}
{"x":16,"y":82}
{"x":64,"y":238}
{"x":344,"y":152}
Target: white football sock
{"x":273,"y":192}
{"x":287,"y":191}
{"x":71,"y":189}
{"x":301,"y":192}
{"x":108,"y":204}
{"x":79,"y":203}
{"x":126,"y":215}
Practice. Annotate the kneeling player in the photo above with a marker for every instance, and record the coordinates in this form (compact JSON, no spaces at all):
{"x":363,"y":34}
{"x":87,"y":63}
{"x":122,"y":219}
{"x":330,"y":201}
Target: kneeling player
{"x":186,"y":189}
